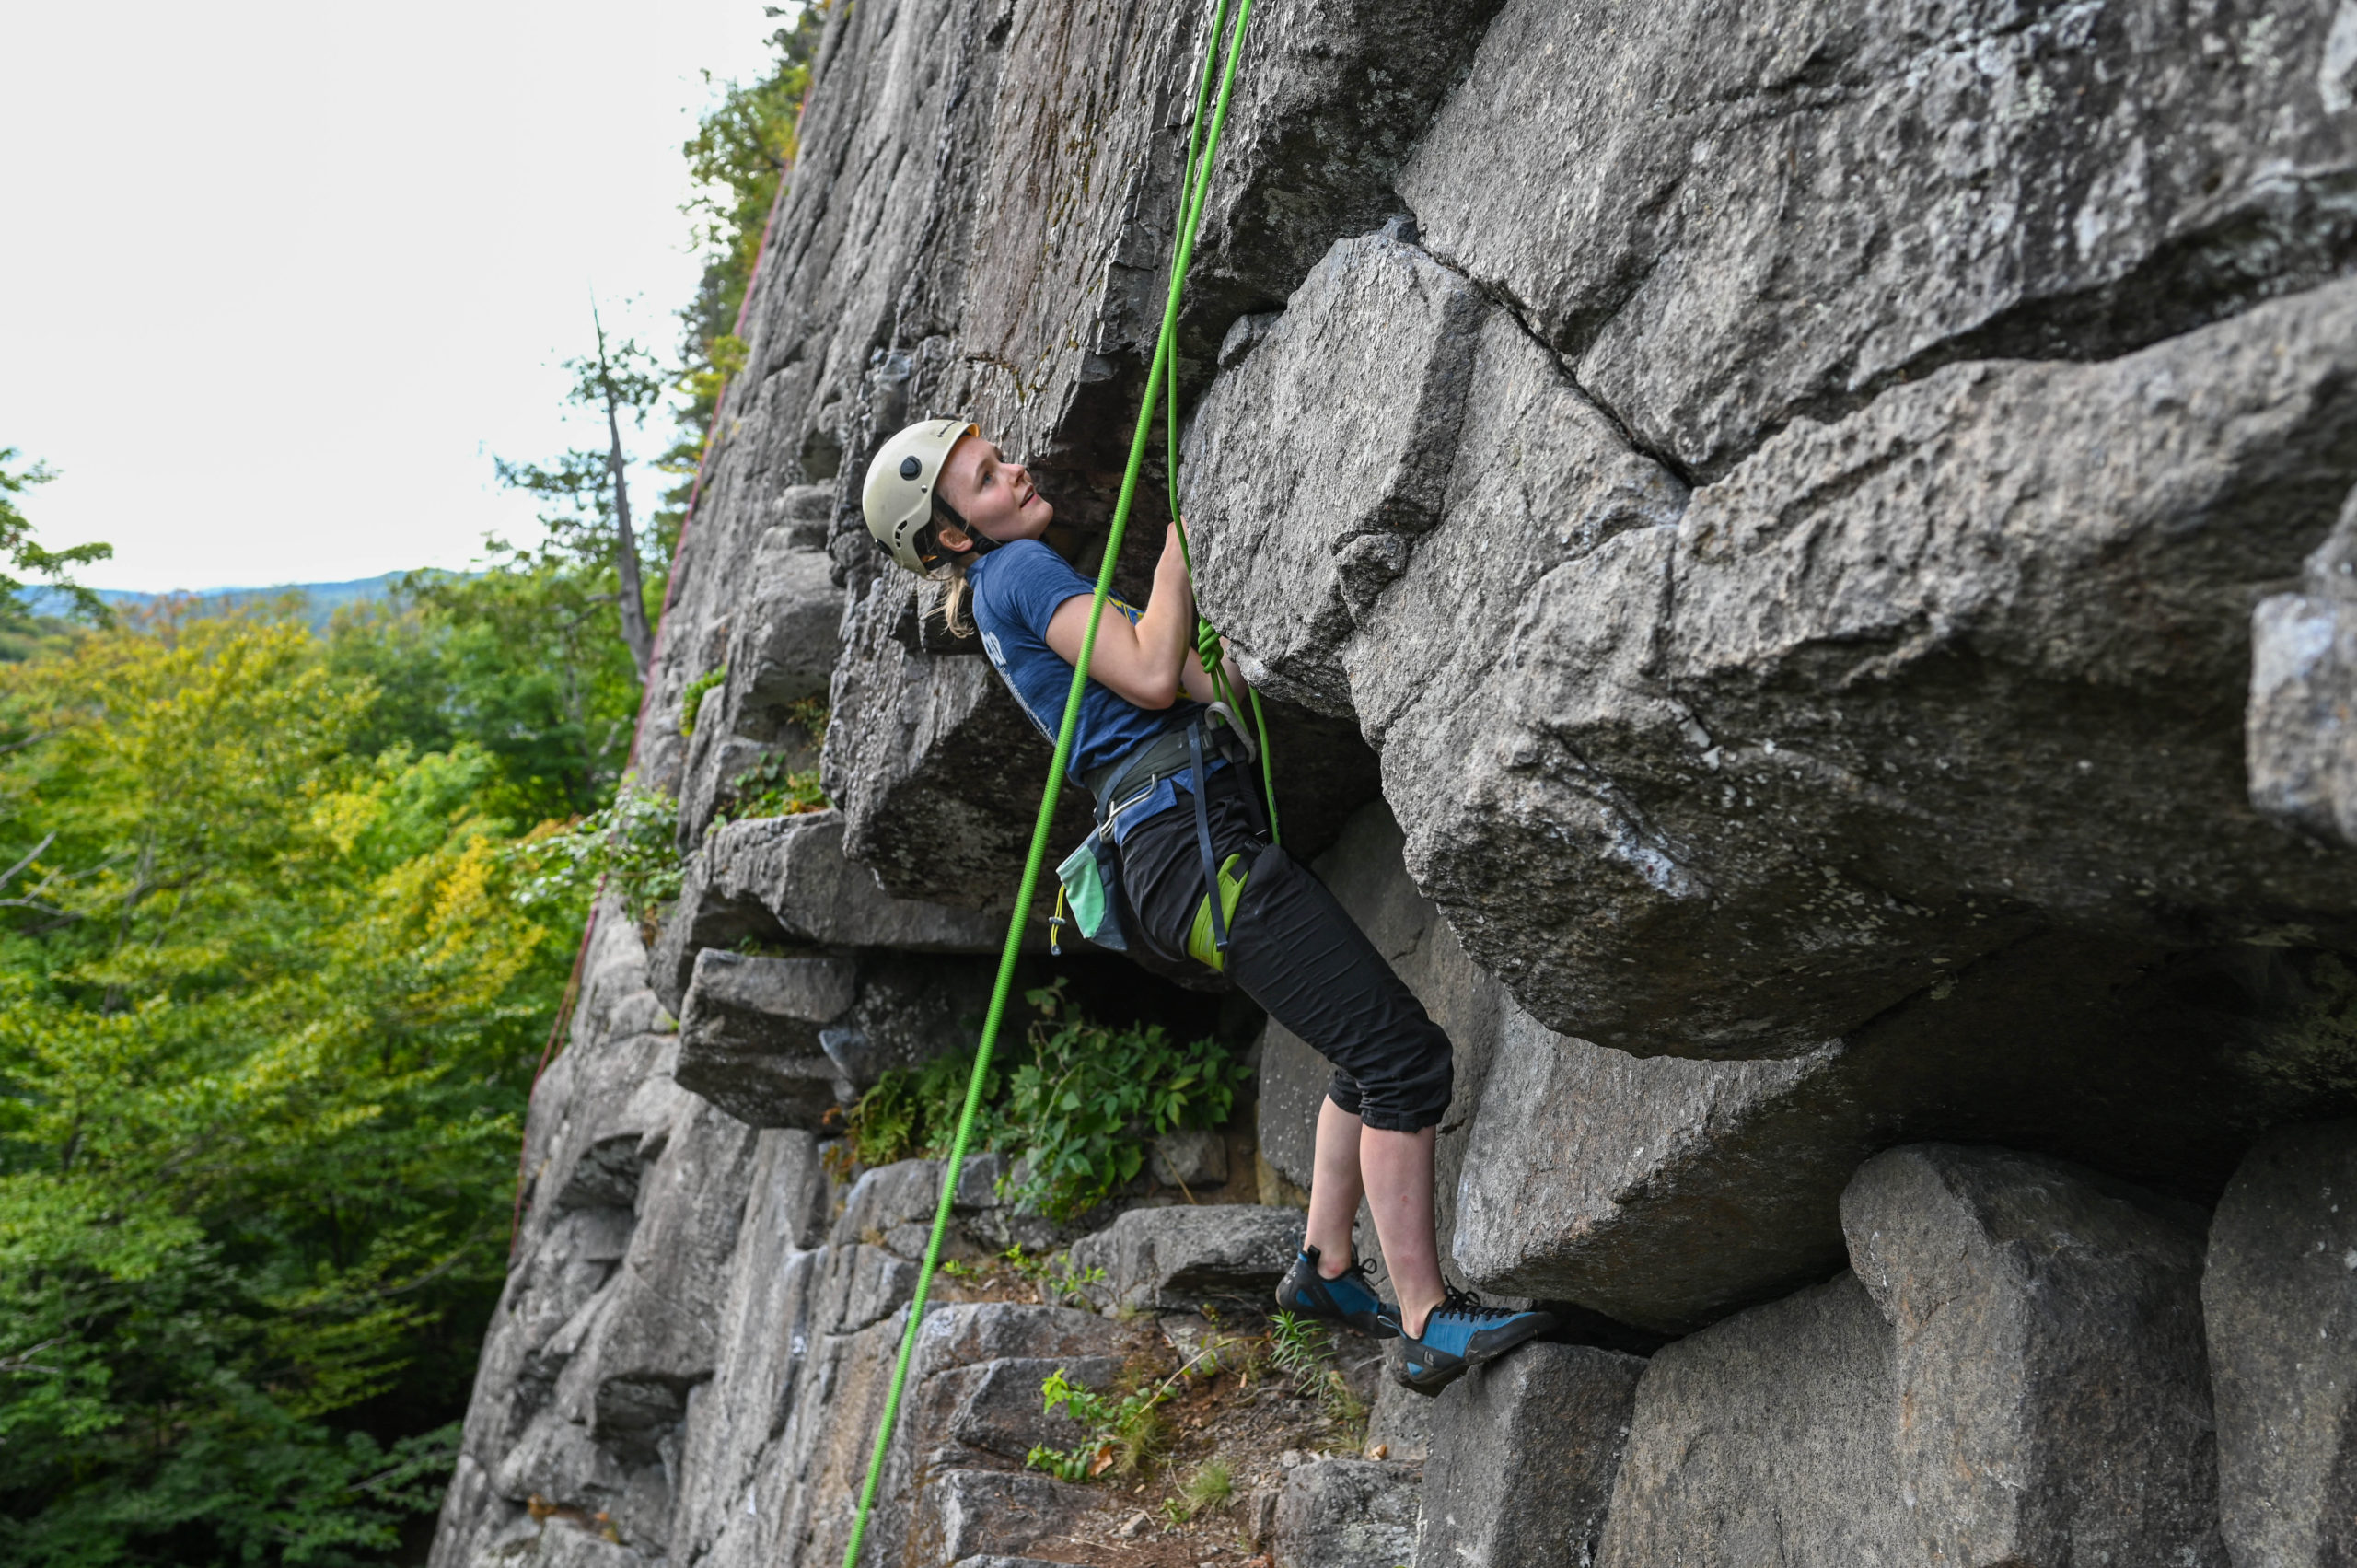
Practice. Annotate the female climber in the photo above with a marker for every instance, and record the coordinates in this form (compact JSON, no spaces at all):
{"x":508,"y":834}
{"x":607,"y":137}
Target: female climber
{"x":947,"y":503}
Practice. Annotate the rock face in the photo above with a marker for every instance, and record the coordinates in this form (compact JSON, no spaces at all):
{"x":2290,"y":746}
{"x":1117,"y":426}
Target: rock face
{"x":1524,"y":1453}
{"x":1785,"y":219}
{"x":1714,"y":712}
{"x":748,"y":1036}
{"x":1802,"y":568}
{"x":1180,"y":1258}
{"x":2040,"y":1315}
{"x":2280,"y":1301}
{"x":1346,"y":1514}
{"x":2007,"y":1318}
{"x":690,"y":1348}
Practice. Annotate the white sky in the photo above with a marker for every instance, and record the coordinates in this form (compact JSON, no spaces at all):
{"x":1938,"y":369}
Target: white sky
{"x":277,"y":278}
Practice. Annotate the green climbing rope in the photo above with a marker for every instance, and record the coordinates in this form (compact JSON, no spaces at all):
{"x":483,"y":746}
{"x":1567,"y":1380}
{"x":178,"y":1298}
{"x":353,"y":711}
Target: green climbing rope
{"x":1191,"y":211}
{"x":1209,"y":645}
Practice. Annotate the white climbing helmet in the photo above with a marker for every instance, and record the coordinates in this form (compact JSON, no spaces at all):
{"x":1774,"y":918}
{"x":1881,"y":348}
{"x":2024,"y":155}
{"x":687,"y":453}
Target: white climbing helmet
{"x":899,"y":495}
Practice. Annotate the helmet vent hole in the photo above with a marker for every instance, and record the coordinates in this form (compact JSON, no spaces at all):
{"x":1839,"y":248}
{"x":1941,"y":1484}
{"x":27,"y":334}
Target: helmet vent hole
{"x":910,"y":467}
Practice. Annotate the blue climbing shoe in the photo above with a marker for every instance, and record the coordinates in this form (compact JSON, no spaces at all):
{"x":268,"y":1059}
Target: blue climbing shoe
{"x":1461,"y":1332}
{"x":1348,"y":1299}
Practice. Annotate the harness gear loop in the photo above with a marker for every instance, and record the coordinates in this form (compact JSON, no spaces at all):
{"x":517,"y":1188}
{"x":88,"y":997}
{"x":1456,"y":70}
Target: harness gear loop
{"x":1195,"y":189}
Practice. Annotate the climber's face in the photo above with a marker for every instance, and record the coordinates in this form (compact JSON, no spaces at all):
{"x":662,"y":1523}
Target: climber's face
{"x":994,"y":494}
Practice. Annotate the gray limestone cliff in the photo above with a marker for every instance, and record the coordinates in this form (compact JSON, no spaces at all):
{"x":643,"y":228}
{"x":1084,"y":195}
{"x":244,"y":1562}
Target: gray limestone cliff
{"x":1806,"y":563}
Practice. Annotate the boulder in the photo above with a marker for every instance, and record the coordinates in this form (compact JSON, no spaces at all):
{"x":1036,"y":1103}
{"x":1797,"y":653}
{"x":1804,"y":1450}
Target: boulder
{"x":964,"y":1513}
{"x":1666,"y":1191}
{"x":1723,"y":236}
{"x":912,"y":1008}
{"x":748,"y":1036}
{"x":1766,"y":1438}
{"x":971,"y":1334}
{"x":2301,"y":732}
{"x":1523,"y":1455}
{"x":1669,"y":766}
{"x":1662,"y":1192}
{"x":1190,"y":1159}
{"x":2279,"y":1298}
{"x":2042,"y":1315}
{"x":890,"y":1206}
{"x":1182,"y":1256}
{"x":997,"y":1406}
{"x":1346,"y":1514}
{"x":785,"y":880}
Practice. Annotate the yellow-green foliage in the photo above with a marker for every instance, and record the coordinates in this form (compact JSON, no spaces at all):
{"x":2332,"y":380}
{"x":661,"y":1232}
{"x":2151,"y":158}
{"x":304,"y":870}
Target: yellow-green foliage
{"x":267,"y":1011}
{"x":691,"y":698}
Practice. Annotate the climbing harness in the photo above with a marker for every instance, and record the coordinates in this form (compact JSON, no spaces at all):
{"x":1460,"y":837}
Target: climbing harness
{"x":1090,"y":877}
{"x":1194,"y":188}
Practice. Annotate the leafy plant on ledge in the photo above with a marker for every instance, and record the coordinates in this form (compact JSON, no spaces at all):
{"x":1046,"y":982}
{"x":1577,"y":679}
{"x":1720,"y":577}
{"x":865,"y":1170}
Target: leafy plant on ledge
{"x":1073,"y":1120}
{"x":769,"y":789}
{"x":633,"y":844}
{"x":691,"y":699}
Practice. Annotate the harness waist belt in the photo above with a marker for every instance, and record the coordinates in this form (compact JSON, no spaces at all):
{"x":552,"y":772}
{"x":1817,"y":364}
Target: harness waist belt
{"x":1165,"y":755}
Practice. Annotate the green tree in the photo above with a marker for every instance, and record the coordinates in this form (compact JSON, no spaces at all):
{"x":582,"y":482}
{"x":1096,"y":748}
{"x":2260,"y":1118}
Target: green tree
{"x":523,"y":662}
{"x":267,"y":1011}
{"x":741,"y":151}
{"x":23,"y":631}
{"x":588,"y":491}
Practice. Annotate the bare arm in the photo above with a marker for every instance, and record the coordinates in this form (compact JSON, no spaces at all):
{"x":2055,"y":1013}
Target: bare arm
{"x":1143,"y":663}
{"x":1197,"y":682}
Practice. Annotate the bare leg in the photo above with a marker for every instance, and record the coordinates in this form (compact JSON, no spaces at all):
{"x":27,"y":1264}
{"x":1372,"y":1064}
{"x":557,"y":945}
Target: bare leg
{"x":1394,"y":1172}
{"x":1398,"y":1169}
{"x":1334,"y":1188}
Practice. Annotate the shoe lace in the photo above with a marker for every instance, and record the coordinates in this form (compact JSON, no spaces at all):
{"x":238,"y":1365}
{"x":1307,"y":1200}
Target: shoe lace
{"x":1363,"y":1268}
{"x":1465,"y":1304}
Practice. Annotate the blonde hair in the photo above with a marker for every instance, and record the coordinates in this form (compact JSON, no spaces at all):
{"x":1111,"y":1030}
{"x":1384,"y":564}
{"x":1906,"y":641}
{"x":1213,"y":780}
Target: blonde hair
{"x":957,"y":613}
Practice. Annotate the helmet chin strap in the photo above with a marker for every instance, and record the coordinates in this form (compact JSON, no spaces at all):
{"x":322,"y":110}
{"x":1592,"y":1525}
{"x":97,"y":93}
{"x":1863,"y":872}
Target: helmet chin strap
{"x":978,"y":542}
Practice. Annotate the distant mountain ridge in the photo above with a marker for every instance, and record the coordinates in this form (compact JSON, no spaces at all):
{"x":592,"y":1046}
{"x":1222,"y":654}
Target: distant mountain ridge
{"x":321,"y":600}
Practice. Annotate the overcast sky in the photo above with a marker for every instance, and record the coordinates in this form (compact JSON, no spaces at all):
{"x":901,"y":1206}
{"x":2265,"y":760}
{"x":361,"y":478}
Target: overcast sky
{"x":277,"y":278}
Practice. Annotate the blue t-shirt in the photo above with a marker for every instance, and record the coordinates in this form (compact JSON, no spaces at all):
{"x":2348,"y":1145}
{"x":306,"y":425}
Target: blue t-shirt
{"x":1017,"y":590}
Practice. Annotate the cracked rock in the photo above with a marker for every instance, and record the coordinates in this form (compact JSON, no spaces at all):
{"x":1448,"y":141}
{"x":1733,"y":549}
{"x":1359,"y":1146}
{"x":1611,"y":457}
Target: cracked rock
{"x":2041,"y":1314}
{"x":1346,"y":1514}
{"x":1179,"y":1257}
{"x":1725,"y":236}
{"x":748,"y":1035}
{"x":1522,"y":1454}
{"x":2280,"y":1302}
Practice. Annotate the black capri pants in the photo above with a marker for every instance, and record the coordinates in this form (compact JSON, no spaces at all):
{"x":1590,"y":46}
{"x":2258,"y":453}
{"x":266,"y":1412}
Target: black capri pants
{"x":1296,"y":952}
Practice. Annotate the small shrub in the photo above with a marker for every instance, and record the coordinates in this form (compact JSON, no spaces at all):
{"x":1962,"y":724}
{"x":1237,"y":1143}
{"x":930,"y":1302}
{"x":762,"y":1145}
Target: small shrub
{"x":913,"y":1114}
{"x":1074,"y":1121}
{"x":633,"y":845}
{"x":767,"y":789}
{"x":692,"y":697}
{"x":812,"y":715}
{"x":1303,"y":1350}
{"x":1126,"y":1432}
{"x":1207,"y":1490}
{"x":1084,"y":1106}
{"x":1057,"y":1280}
